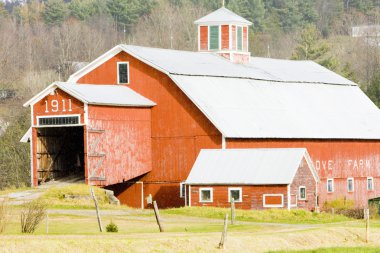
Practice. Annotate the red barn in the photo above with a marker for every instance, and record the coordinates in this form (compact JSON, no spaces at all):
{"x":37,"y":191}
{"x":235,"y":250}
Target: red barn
{"x":163,"y":106}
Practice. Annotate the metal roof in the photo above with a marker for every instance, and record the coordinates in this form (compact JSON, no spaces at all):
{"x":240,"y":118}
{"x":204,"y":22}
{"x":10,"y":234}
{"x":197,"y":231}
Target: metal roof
{"x":222,"y":15}
{"x":246,"y":166}
{"x":115,"y":95}
{"x":246,"y":108}
{"x":208,"y":64}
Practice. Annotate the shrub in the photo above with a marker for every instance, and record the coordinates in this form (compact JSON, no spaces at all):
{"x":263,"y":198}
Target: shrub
{"x":32,"y":214}
{"x":344,"y":207}
{"x":4,"y":212}
{"x":112,"y":227}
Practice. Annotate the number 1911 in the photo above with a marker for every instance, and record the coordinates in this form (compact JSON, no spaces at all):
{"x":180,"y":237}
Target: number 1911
{"x":55,"y":105}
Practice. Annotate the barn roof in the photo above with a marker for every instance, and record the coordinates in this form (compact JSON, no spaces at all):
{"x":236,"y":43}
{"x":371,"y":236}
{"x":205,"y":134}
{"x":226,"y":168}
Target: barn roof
{"x":243,"y":108}
{"x":266,"y":98}
{"x":222,"y":15}
{"x":248,"y":166}
{"x":115,"y":95}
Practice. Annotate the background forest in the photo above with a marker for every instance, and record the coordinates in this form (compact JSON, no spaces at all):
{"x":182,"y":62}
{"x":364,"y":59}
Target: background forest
{"x":41,"y":41}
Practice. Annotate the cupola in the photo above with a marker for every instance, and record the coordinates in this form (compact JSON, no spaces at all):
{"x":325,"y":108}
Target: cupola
{"x":225,"y":33}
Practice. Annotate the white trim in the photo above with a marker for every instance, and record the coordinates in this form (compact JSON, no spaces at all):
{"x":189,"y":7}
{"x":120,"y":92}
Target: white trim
{"x":288,"y":197}
{"x":117,"y":72}
{"x":332,"y":185}
{"x":185,"y":194}
{"x":275,"y":195}
{"x":189,"y":195}
{"x":299,"y":192}
{"x":353,"y":184}
{"x":59,"y":116}
{"x":85,"y":113}
{"x":224,"y":22}
{"x":224,"y":144}
{"x":220,"y":38}
{"x":206,"y":189}
{"x":373,"y":185}
{"x":87,"y":158}
{"x":240,"y":194}
{"x":31,"y":146}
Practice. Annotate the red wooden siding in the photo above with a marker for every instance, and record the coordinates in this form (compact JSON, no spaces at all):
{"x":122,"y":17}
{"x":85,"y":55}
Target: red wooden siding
{"x":203,"y":37}
{"x":62,"y":100}
{"x":225,"y":37}
{"x":275,"y":199}
{"x":245,"y":38}
{"x":252,"y":196}
{"x":338,"y":159}
{"x":233,"y":37}
{"x":178,"y":129}
{"x":304,"y":177}
{"x":123,"y":135}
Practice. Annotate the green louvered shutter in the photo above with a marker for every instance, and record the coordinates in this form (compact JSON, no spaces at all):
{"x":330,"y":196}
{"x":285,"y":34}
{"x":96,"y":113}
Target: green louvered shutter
{"x":214,"y":37}
{"x":240,"y":38}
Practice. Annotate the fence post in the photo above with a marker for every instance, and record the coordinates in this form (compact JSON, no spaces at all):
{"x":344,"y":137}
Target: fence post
{"x":157,"y":214}
{"x":366,"y":217}
{"x":232,"y":211}
{"x":224,"y":233}
{"x":97,"y":210}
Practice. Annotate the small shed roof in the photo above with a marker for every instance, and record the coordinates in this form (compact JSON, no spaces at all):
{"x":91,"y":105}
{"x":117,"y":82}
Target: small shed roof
{"x":115,"y":95}
{"x":247,"y":166}
{"x":222,"y":15}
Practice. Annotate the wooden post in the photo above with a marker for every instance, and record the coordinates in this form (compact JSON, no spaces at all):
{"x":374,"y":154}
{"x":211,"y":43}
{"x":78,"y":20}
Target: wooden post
{"x":47,"y":222}
{"x":224,"y":233}
{"x":157,"y":214}
{"x":97,"y":210}
{"x":232,"y":211}
{"x":366,"y":217}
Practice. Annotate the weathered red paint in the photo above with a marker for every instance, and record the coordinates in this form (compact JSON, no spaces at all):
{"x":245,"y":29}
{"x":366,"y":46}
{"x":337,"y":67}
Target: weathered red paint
{"x":203,"y":37}
{"x":338,"y":159}
{"x":178,"y":128}
{"x":225,"y":37}
{"x":233,"y":37}
{"x":122,"y":134}
{"x":245,"y":38}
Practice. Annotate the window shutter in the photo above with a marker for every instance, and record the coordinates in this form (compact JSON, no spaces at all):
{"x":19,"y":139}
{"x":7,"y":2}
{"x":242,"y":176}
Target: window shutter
{"x":214,"y":37}
{"x":239,"y":38}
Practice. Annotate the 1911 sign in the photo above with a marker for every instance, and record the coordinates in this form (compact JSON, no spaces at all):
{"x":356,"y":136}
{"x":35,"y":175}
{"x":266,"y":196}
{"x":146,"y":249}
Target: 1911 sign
{"x":58,"y":105}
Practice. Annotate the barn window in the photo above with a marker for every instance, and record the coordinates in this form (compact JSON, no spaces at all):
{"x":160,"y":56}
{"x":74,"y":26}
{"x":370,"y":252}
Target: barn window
{"x":182,"y":190}
{"x":235,"y":193}
{"x":214,"y":37}
{"x":205,"y":195}
{"x":273,"y":200}
{"x":330,"y":185}
{"x":239,"y":39}
{"x":302,"y":193}
{"x":350,"y":184}
{"x":123,"y":73}
{"x":370,"y":183}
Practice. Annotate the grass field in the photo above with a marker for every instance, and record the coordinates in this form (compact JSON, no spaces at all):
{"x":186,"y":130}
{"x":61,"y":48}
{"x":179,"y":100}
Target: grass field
{"x":72,"y":227}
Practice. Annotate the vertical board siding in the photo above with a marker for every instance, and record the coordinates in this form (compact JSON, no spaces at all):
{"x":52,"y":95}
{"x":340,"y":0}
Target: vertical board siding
{"x":338,"y":159}
{"x":203,"y":36}
{"x":178,"y":128}
{"x":123,"y":135}
{"x":225,"y":37}
{"x":214,"y":37}
{"x":252,"y":195}
{"x":304,"y":177}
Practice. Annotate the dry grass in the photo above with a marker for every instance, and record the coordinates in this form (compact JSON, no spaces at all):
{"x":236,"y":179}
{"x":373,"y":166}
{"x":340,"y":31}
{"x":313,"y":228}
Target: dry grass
{"x":32,"y":214}
{"x":4,"y":214}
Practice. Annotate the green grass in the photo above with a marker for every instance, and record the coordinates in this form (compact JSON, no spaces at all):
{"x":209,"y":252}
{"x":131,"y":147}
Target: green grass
{"x":14,"y":189}
{"x":334,"y":250}
{"x":270,"y":215}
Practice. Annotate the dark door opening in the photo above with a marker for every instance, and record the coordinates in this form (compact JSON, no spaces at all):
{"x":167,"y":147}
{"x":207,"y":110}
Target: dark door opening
{"x":60,"y":153}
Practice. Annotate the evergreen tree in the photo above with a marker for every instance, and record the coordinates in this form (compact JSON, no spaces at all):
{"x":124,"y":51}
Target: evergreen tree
{"x":82,"y":9}
{"x":252,"y":10}
{"x":55,"y":12}
{"x":373,"y":89}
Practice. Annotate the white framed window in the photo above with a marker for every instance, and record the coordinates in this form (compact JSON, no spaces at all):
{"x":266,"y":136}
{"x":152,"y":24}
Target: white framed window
{"x":370,"y":184}
{"x":302,"y":193}
{"x":205,"y":195}
{"x":235,"y":193}
{"x":123,"y":72}
{"x":273,"y":200}
{"x":350,"y":184}
{"x":182,"y":190}
{"x":330,"y":185}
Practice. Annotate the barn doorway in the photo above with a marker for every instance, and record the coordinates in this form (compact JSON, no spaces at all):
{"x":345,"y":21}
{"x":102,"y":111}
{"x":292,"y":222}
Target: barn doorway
{"x":60,"y":154}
